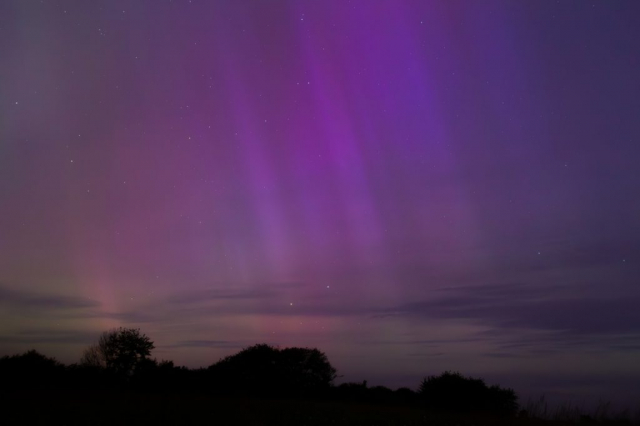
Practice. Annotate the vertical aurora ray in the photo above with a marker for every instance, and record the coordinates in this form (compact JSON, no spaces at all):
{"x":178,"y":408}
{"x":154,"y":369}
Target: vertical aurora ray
{"x":405,"y":183}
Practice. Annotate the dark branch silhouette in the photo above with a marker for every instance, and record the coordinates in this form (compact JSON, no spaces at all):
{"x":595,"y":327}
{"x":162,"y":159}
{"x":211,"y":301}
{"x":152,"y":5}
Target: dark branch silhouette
{"x":120,"y":350}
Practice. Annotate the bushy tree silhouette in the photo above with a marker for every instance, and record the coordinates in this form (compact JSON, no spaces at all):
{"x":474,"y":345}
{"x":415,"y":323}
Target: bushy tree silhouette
{"x":265,"y":370}
{"x":119,"y":350}
{"x":305,"y":369}
{"x":453,"y":392}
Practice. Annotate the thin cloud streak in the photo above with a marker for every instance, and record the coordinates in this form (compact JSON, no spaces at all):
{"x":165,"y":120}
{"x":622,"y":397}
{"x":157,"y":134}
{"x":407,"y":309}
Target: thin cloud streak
{"x":20,"y":299}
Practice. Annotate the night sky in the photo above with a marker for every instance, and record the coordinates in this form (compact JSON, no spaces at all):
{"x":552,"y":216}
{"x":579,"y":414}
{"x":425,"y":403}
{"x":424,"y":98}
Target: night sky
{"x":410,"y":186}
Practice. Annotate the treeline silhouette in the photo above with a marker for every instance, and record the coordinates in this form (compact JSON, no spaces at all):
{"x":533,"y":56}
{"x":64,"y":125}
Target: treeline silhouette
{"x":120,"y":361}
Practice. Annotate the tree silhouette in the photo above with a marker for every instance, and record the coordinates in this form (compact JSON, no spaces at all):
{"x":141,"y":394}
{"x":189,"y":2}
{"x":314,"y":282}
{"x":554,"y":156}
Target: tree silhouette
{"x":93,"y":357}
{"x":265,"y":370}
{"x":305,"y":369}
{"x":119,"y":350}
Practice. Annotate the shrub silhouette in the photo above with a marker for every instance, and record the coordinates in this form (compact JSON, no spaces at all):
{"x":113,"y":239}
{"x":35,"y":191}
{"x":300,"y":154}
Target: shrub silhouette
{"x":453,"y":392}
{"x":376,"y":395}
{"x":265,"y":370}
{"x":30,"y":370}
{"x":119,"y":350}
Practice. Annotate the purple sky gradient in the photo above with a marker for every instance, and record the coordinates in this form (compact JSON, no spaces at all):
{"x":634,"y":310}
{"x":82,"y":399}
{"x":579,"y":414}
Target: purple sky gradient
{"x":410,"y":186}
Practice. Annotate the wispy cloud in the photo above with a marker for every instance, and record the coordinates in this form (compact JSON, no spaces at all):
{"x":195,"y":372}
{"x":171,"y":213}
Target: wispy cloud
{"x":529,"y":307}
{"x":44,"y":336}
{"x":22,"y":299}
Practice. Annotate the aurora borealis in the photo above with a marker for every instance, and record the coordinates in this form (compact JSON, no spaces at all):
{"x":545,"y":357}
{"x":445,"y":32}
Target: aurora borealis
{"x":410,"y":186}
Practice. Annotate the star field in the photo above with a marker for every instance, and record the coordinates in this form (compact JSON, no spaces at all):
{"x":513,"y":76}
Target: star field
{"x":409,"y":186}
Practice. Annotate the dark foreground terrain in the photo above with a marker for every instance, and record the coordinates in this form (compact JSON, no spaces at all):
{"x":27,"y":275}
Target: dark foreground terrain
{"x":100,"y":408}
{"x":117,"y":383}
